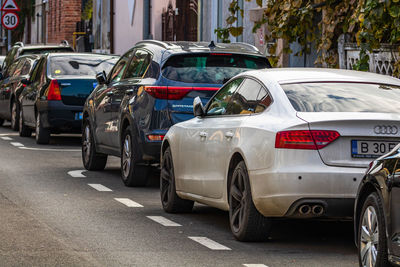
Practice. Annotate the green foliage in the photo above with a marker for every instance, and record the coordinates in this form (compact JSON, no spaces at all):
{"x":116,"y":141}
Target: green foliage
{"x":368,"y":22}
{"x":88,"y":10}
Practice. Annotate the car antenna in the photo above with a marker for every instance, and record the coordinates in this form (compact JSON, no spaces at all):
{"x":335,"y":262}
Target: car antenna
{"x":212,"y":45}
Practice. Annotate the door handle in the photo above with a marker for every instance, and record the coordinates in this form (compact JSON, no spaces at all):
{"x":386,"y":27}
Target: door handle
{"x":129,"y":92}
{"x":229,"y":134}
{"x":203,"y":134}
{"x":111,"y":93}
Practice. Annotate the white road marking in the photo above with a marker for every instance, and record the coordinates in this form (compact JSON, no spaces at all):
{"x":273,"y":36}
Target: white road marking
{"x":12,"y":134}
{"x":100,"y":187}
{"x":163,"y":221}
{"x":208,"y":243}
{"x":129,"y":203}
{"x":50,"y":149}
{"x":255,"y":265}
{"x":6,"y":138}
{"x":16,"y":144}
{"x":77,"y":173}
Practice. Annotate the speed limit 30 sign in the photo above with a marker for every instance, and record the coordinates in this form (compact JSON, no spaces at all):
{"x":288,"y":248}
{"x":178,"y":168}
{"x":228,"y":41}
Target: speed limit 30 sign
{"x":10,"y":20}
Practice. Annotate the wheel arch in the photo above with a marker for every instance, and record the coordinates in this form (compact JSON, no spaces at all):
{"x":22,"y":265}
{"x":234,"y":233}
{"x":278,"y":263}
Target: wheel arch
{"x":234,"y":161}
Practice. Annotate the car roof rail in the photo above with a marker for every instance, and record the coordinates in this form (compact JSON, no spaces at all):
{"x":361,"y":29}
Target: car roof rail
{"x":21,"y":44}
{"x":246,"y":45}
{"x":154,"y":42}
{"x":64,"y":43}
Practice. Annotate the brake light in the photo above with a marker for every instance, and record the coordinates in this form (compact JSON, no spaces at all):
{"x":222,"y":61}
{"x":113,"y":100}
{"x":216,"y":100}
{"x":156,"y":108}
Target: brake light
{"x":304,"y":139}
{"x":155,"y":137}
{"x":53,"y":92}
{"x":221,"y":54}
{"x":174,"y":92}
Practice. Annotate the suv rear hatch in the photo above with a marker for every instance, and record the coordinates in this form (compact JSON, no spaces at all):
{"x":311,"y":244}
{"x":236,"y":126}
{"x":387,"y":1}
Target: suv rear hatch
{"x":185,"y":76}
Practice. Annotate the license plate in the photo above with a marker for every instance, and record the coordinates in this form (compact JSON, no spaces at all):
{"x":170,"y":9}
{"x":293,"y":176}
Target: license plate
{"x":78,"y":116}
{"x":371,"y":149}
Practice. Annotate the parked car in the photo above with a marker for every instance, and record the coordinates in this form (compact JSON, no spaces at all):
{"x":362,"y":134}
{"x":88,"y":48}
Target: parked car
{"x":19,"y":49}
{"x":286,"y":143}
{"x":376,"y":212}
{"x":11,"y":87}
{"x":150,"y":89}
{"x":53,"y":97}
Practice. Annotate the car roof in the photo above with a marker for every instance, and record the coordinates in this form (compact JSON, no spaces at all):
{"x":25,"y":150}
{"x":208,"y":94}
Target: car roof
{"x":302,"y":75}
{"x":197,"y":47}
{"x":81,"y":54}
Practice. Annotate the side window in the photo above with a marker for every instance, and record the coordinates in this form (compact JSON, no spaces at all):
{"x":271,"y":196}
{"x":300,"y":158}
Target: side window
{"x":244,"y":101}
{"x":264,"y":100}
{"x":18,"y":69}
{"x":139,"y":64}
{"x":26,"y":67}
{"x":220,"y":101}
{"x":11,"y":69}
{"x":389,"y":165}
{"x":119,"y":68}
{"x":36,"y":72}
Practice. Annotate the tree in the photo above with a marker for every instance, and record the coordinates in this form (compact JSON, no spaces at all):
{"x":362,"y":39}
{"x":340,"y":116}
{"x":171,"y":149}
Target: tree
{"x":367,"y":22}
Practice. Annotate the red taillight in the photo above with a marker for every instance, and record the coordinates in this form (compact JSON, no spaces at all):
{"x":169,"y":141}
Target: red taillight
{"x":314,"y":139}
{"x":53,"y":92}
{"x":174,"y":92}
{"x":155,"y":137}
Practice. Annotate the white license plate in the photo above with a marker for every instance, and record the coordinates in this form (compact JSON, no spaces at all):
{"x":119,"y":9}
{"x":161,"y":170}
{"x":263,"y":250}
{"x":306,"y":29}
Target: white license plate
{"x":371,"y":149}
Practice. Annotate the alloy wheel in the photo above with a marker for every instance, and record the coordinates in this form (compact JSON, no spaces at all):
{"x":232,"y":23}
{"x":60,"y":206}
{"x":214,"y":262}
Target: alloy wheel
{"x":369,"y":237}
{"x":126,"y":156}
{"x":238,"y":199}
{"x":166,"y":179}
{"x":86,"y":144}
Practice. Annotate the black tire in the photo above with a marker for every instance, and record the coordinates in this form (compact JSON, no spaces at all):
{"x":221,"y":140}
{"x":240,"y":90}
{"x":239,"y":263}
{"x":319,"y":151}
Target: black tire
{"x":24,"y":131}
{"x":171,"y":202}
{"x":372,"y":208}
{"x":246,"y":222}
{"x":132,"y":174}
{"x":92,"y":160}
{"x":42,"y":134}
{"x":14,"y":116}
{"x":1,"y":122}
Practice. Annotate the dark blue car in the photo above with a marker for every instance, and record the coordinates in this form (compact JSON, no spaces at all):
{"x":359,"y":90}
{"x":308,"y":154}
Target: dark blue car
{"x":151,"y":88}
{"x":53,"y":98}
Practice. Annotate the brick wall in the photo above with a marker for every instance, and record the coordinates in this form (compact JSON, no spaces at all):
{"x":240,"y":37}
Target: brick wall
{"x":61,"y":19}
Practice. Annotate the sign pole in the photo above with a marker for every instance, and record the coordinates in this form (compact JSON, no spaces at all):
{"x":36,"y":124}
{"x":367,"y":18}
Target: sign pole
{"x":9,"y":40}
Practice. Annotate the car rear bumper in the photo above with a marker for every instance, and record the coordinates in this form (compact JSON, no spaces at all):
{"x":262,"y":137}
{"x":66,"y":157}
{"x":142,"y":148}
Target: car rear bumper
{"x":59,"y":117}
{"x":280,"y":193}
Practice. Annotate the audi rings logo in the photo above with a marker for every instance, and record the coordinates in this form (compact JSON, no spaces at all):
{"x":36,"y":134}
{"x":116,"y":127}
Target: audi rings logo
{"x":386,"y":129}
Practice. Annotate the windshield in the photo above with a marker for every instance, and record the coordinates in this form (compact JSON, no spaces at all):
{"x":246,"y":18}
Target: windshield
{"x":213,"y":68}
{"x":343,"y":97}
{"x":82,"y":65}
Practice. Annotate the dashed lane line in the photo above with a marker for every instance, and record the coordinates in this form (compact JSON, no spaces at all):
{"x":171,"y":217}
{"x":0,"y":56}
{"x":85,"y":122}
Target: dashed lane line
{"x":77,"y":173}
{"x":211,"y":244}
{"x":8,"y":134}
{"x":6,"y":138}
{"x":16,"y":144}
{"x":129,"y":203}
{"x":100,"y":187}
{"x":163,"y":221}
{"x":255,"y":265}
{"x":50,"y":149}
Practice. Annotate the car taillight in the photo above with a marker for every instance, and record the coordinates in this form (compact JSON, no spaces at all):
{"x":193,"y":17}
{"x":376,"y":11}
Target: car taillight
{"x":155,"y":137}
{"x":174,"y":92}
{"x":303,"y":139}
{"x":53,"y":92}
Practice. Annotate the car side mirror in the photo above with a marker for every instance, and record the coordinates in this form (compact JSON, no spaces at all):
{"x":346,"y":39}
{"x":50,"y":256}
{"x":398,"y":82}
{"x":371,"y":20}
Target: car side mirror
{"x":25,"y":82}
{"x":101,"y":78}
{"x":198,"y":109}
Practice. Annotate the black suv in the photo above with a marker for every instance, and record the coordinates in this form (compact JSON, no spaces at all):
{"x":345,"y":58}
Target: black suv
{"x":150,"y":88}
{"x":19,"y":49}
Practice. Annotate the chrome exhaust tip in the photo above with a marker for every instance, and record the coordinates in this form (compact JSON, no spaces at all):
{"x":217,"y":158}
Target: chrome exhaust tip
{"x":305,"y":209}
{"x":318,"y":210}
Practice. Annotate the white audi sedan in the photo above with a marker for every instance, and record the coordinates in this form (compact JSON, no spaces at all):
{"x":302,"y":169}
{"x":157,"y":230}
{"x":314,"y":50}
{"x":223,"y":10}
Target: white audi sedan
{"x":290,"y":143}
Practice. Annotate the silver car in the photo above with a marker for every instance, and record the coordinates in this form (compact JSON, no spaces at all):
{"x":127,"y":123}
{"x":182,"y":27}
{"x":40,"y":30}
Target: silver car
{"x":291,"y":143}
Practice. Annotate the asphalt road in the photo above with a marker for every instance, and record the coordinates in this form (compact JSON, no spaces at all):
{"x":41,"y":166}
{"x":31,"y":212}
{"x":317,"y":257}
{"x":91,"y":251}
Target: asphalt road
{"x":50,"y":218}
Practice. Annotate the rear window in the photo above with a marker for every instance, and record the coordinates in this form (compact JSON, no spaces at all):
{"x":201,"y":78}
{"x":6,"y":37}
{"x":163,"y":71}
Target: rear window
{"x":343,"y":97}
{"x":80,"y":65}
{"x":40,"y":51}
{"x":210,"y":68}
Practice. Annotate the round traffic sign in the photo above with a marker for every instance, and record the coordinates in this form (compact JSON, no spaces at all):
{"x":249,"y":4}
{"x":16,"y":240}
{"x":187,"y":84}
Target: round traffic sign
{"x":10,"y":20}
